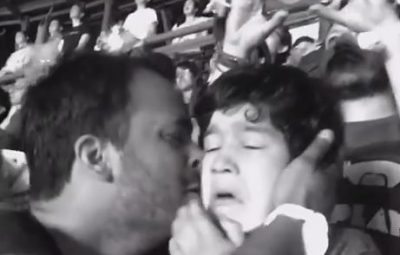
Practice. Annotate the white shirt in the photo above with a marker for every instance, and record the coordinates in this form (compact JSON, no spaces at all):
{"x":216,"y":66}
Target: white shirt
{"x":140,"y":22}
{"x":19,"y":59}
{"x":195,"y":21}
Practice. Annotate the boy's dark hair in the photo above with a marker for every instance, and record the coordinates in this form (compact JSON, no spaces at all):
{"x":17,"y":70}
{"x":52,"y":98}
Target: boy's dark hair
{"x":298,"y":105}
{"x":5,"y":103}
{"x":89,"y":94}
{"x":356,"y":73}
{"x":303,"y":39}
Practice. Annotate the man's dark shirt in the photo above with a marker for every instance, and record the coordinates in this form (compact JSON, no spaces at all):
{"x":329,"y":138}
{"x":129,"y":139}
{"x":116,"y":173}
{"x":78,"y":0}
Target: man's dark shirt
{"x":369,"y":193}
{"x":21,"y":234}
{"x":71,"y":39}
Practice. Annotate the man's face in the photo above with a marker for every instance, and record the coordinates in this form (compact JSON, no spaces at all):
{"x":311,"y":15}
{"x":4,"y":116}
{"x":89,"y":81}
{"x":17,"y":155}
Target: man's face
{"x":242,"y":161}
{"x":154,"y":159}
{"x":54,"y":27}
{"x":20,"y":38}
{"x":75,"y":12}
{"x":189,"y":7}
{"x":184,"y":79}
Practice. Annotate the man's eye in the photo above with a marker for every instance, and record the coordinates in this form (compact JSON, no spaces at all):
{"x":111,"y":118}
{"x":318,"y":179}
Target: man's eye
{"x":176,"y":138}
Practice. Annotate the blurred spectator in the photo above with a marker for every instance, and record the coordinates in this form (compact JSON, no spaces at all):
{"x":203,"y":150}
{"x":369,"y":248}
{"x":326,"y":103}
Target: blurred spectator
{"x":185,"y":79}
{"x":279,"y":44}
{"x":7,"y":139}
{"x":371,"y":178}
{"x":77,"y":39}
{"x":190,"y":10}
{"x":189,"y":82}
{"x":21,"y":57}
{"x":301,"y":48}
{"x":304,"y":45}
{"x":142,"y":23}
{"x":55,"y":30}
{"x":47,"y":53}
{"x":111,"y":41}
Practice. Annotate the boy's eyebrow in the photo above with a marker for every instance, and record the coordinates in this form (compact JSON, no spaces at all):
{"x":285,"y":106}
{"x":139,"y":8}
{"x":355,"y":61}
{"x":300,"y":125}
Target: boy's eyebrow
{"x":256,"y":128}
{"x":210,"y":130}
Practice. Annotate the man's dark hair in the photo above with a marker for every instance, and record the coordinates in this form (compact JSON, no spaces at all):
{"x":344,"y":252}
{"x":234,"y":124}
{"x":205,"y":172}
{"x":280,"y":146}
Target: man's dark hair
{"x":356,"y":73}
{"x":298,"y":105}
{"x":80,"y":4}
{"x":303,"y":39}
{"x":89,"y":94}
{"x":5,"y":103}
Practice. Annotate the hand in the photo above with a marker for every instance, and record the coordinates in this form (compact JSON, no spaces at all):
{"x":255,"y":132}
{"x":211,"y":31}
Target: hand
{"x":303,"y":184}
{"x":193,"y":232}
{"x":246,"y":27}
{"x":359,"y":15}
{"x":219,"y":7}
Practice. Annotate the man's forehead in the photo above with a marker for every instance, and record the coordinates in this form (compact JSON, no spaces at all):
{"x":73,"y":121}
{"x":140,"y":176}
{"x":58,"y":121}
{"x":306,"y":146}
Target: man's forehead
{"x":150,"y":90}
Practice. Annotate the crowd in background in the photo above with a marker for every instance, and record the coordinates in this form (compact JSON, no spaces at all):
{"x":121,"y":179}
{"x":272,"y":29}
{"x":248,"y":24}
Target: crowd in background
{"x":271,"y":146}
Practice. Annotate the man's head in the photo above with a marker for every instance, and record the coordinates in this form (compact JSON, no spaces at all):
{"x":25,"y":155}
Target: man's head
{"x":355,"y":73}
{"x":21,"y":39}
{"x":190,"y":7}
{"x":109,"y":136}
{"x":336,"y":32}
{"x":77,"y":11}
{"x":304,"y":45}
{"x":253,"y":121}
{"x":55,"y":27}
{"x":142,"y":2}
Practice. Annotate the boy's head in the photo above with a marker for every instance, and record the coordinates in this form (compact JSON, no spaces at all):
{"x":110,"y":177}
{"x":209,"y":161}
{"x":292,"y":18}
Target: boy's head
{"x":253,"y":121}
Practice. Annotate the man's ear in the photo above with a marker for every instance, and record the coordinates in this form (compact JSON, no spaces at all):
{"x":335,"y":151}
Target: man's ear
{"x":91,"y":151}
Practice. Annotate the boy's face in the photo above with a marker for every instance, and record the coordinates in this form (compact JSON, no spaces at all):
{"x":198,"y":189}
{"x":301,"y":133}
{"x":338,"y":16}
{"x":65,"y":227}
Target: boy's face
{"x":242,"y":162}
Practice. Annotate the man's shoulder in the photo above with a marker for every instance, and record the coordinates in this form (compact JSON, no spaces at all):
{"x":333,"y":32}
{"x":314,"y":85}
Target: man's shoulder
{"x":22,"y":234}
